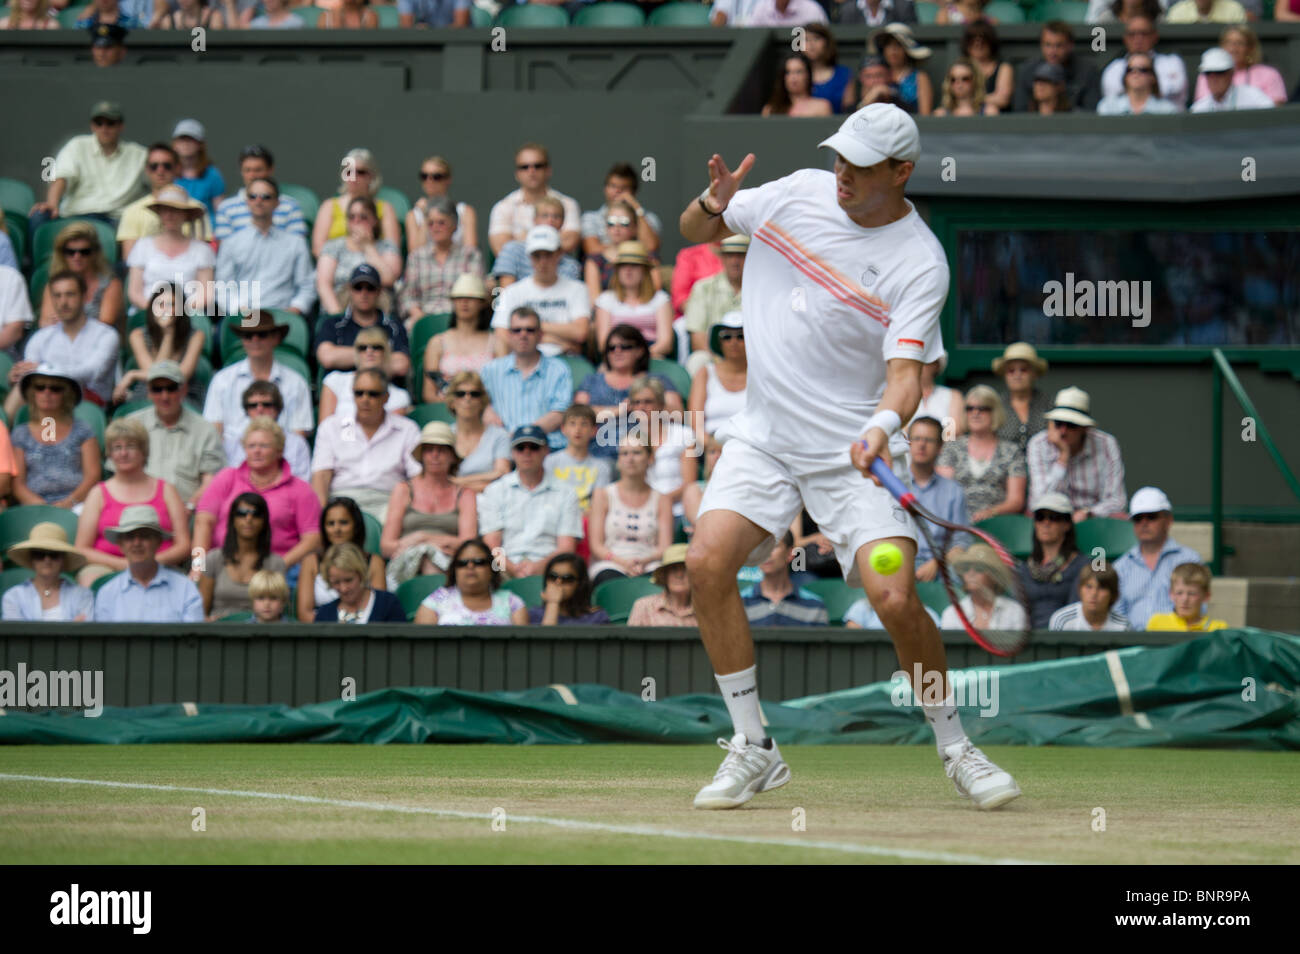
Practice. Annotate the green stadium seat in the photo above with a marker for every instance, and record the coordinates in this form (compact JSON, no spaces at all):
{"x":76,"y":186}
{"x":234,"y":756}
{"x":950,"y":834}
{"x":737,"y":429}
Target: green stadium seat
{"x":616,"y":597}
{"x":6,"y":364}
{"x":68,"y":18}
{"x":291,"y":359}
{"x":479,"y":18}
{"x":412,"y":593}
{"x":397,"y":199}
{"x":926,"y":12}
{"x":305,"y":197}
{"x":94,"y":587}
{"x":1113,"y":536}
{"x":16,"y":574}
{"x":16,"y":523}
{"x":40,"y":274}
{"x":933,"y":595}
{"x":43,"y":240}
{"x":310,"y":20}
{"x":16,"y":195}
{"x":16,"y":228}
{"x":579,"y":368}
{"x":424,"y":331}
{"x":527,"y":588}
{"x":130,"y":407}
{"x":244,"y":617}
{"x":527,"y":16}
{"x":374,"y":530}
{"x":389,"y":18}
{"x":837,"y":595}
{"x":1005,"y":11}
{"x":1071,"y":11}
{"x":1014,"y":531}
{"x":680,"y":15}
{"x":609,"y":13}
{"x":422,"y":414}
{"x":675,"y":373}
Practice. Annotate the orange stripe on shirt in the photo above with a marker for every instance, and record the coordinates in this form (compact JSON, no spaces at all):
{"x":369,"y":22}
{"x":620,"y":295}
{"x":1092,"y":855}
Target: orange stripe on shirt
{"x":817,"y":276}
{"x":850,"y":286}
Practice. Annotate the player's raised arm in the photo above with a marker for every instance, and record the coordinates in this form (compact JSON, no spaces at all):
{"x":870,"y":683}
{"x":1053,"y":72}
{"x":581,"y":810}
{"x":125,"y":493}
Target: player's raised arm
{"x":897,"y":405}
{"x":702,"y":219}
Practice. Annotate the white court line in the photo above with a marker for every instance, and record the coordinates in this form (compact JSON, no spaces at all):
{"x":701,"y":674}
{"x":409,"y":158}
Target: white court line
{"x":1122,"y":691}
{"x":846,"y":848}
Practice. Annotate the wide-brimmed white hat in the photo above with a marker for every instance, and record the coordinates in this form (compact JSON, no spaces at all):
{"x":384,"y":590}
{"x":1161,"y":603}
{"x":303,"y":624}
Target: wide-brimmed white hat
{"x":51,"y":537}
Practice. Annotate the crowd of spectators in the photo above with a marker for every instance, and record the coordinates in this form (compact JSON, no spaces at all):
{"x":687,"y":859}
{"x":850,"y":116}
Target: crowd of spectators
{"x":238,"y":491}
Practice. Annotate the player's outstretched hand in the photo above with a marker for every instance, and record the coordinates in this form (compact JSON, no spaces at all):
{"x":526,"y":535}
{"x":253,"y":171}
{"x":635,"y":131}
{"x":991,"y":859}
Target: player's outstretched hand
{"x":723,"y":183}
{"x":873,"y":444}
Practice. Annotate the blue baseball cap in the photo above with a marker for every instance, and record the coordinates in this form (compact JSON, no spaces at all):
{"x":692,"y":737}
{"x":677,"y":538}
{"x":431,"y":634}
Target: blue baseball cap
{"x":365,"y":273}
{"x":528,"y":434}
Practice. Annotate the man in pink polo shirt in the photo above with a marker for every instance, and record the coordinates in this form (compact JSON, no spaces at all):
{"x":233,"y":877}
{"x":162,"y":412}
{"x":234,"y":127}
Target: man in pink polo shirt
{"x":293,"y":507}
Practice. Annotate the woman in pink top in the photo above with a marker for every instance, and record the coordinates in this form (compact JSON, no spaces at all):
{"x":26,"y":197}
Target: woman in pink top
{"x":292,"y":504}
{"x":632,"y":300}
{"x":1243,"y":44}
{"x":128,"y":450}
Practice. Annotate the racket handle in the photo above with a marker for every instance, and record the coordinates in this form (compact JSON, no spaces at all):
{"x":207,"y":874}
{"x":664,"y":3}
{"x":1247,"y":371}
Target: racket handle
{"x":888,"y":478}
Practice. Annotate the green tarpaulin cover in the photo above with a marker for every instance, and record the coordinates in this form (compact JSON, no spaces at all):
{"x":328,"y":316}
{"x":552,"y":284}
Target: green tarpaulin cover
{"x":1231,"y":689}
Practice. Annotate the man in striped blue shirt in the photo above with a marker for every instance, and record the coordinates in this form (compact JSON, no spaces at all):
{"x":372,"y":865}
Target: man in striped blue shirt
{"x":256,"y":162}
{"x":527,"y":387}
{"x":1145,"y":570}
{"x":775,"y":600}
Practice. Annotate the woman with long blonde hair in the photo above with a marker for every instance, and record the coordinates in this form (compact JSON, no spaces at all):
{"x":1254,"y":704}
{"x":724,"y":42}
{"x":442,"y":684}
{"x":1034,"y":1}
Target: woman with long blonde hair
{"x":29,"y":15}
{"x":77,"y":249}
{"x":963,"y":92}
{"x":359,"y":176}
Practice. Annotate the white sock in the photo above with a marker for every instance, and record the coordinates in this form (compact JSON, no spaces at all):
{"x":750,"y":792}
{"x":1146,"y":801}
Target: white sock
{"x":946,"y":723}
{"x":740,"y":693}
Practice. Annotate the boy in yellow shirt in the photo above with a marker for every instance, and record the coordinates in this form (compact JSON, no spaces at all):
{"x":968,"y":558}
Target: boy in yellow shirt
{"x":1189,"y":588}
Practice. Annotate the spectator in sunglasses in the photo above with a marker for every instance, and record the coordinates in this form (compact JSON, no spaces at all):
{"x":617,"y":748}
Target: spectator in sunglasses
{"x":1145,"y":570}
{"x":1051,"y":575}
{"x":161,"y":169}
{"x":267,"y":258}
{"x":372,"y":352}
{"x":627,"y":357}
{"x":512,"y":217}
{"x":621,"y":184}
{"x":359,"y":177}
{"x":514,"y":264}
{"x":566,"y":595}
{"x":1141,"y":91}
{"x":714,"y":297}
{"x":342,"y":258}
{"x":471,"y":596}
{"x":128,"y":452}
{"x":1075,"y":458}
{"x":364,"y":454}
{"x":77,"y":250}
{"x":991,"y":471}
{"x":56,"y":465}
{"x":187,"y":451}
{"x":166,"y":336}
{"x":718,"y":389}
{"x":1141,"y":36}
{"x":172,"y":256}
{"x":435,"y":183}
{"x":344,"y":567}
{"x":468,"y":345}
{"x":256,"y":162}
{"x":228,"y":571}
{"x":263,"y":399}
{"x":341,"y":522}
{"x":483,"y":449}
{"x":48,"y":595}
{"x":261,"y":333}
{"x":621,"y":225}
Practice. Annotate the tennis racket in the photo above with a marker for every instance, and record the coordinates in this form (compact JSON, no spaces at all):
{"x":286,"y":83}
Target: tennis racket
{"x":1001,"y":641}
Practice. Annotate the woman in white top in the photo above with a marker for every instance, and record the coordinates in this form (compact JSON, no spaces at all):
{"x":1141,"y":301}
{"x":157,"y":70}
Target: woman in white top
{"x":435,"y":183}
{"x":719,"y":388}
{"x":372,"y":349}
{"x":632,"y":300}
{"x":631,"y":524}
{"x":47,"y":596}
{"x":674,"y":465}
{"x":982,"y":576}
{"x":171,"y":257}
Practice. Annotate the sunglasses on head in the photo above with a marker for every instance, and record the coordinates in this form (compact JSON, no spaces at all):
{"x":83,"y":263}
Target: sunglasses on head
{"x":169,"y":387}
{"x":366,"y":392}
{"x":561,"y":578}
{"x":434,"y":176}
{"x":471,"y":561}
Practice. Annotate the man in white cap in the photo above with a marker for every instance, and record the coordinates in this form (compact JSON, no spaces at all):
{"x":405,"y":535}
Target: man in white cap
{"x":1144,"y":571}
{"x":844,"y":286}
{"x":1074,"y":458}
{"x":146,"y":591}
{"x":562,"y":303}
{"x":1217,"y":67}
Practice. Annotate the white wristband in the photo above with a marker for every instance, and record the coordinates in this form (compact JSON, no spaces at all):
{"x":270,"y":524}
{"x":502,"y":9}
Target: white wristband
{"x":887,"y":420}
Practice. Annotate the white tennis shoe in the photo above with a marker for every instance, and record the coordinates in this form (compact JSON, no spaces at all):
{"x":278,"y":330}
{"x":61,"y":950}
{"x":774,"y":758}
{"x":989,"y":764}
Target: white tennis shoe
{"x":747,"y":770}
{"x":977,"y":778}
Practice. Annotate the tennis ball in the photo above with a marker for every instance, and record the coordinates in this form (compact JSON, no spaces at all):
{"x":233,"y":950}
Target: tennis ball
{"x":886,"y":559}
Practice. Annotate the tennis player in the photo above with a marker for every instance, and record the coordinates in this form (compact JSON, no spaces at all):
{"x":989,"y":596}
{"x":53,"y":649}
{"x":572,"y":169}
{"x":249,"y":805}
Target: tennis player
{"x":843,"y":288}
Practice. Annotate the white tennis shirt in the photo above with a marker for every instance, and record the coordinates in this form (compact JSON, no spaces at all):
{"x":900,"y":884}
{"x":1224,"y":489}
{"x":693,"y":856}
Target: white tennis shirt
{"x":826,"y":304}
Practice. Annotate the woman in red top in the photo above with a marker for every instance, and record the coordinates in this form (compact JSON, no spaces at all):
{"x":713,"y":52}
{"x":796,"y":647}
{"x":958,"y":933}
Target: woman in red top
{"x":128,"y":449}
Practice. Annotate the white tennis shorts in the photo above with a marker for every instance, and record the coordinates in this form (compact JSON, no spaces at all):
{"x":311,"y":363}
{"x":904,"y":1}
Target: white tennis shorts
{"x":848,"y":507}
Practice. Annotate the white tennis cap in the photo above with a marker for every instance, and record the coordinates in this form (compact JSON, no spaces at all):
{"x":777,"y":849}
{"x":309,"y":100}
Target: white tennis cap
{"x":875,"y":133}
{"x":1217,"y":60}
{"x":1149,"y":500}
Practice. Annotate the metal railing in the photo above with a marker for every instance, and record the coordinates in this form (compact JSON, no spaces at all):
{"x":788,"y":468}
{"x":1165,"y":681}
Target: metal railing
{"x":1223,"y":372}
